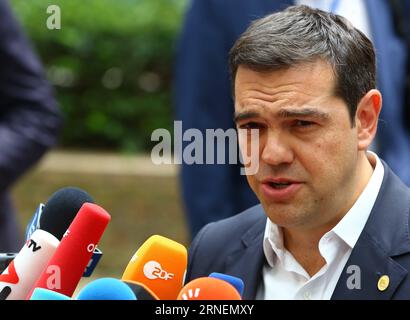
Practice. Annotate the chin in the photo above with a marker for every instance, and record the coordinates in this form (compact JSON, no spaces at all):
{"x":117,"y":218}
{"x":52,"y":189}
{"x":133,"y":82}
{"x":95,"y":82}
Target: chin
{"x":282,"y":215}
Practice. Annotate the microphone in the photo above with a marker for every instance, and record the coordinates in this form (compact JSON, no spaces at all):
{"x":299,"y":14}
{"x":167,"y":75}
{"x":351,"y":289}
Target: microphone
{"x":60,"y":210}
{"x":236,"y":282}
{"x":56,"y":216}
{"x":208,"y":289}
{"x":160,"y":265}
{"x":106,"y":289}
{"x":5,"y":259}
{"x":44,"y":294}
{"x":34,"y":223}
{"x":141,"y":291}
{"x":64,"y":270}
{"x":21,"y":274}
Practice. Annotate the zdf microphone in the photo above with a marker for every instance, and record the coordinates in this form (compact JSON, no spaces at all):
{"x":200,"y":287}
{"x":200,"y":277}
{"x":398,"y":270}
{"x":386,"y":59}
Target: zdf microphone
{"x":208,"y":289}
{"x":160,"y":264}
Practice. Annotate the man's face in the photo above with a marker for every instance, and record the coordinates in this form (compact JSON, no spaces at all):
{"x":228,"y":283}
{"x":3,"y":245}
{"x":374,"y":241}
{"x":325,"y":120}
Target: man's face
{"x":308,"y":150}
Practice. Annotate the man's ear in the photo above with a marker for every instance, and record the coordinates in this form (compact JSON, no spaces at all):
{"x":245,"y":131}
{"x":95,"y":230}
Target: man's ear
{"x":367,"y":117}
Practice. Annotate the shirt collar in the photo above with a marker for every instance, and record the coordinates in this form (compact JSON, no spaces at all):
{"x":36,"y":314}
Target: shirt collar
{"x":352,"y":224}
{"x":348,"y":229}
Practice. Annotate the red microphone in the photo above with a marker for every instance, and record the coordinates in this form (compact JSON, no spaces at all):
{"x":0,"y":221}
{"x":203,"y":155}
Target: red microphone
{"x":66,"y":266}
{"x":208,"y":289}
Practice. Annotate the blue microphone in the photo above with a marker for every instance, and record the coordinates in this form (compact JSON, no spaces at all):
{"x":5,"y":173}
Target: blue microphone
{"x":106,"y":289}
{"x":45,"y":294}
{"x":236,"y":282}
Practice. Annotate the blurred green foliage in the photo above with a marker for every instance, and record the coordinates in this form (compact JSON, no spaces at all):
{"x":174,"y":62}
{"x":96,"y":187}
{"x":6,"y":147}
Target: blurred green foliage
{"x":111,"y":64}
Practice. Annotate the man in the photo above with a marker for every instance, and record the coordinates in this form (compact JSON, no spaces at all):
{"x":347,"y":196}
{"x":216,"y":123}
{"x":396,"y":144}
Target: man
{"x":334,"y":219}
{"x":29,"y":119}
{"x":203,"y":98}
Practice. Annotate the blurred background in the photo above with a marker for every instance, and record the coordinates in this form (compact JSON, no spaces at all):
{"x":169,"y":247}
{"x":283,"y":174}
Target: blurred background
{"x":111,"y":68}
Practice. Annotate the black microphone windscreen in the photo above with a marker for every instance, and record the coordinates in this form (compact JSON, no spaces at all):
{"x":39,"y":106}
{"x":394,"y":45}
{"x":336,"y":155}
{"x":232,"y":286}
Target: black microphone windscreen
{"x":141,"y":291}
{"x":61,"y":209}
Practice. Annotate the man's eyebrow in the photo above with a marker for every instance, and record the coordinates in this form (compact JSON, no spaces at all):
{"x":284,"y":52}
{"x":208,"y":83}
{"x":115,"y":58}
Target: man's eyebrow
{"x":284,"y":113}
{"x":305,"y":112}
{"x":238,"y":116}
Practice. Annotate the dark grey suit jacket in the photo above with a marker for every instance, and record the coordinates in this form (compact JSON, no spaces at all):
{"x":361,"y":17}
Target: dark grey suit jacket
{"x":29,"y":118}
{"x":234,"y":246}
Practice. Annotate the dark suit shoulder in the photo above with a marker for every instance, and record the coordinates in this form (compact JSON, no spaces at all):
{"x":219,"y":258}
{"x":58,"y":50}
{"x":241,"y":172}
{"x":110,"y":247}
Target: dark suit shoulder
{"x":219,"y":239}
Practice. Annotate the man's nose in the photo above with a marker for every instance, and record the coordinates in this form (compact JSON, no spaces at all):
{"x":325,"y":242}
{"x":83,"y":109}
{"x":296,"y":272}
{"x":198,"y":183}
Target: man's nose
{"x":277,"y":150}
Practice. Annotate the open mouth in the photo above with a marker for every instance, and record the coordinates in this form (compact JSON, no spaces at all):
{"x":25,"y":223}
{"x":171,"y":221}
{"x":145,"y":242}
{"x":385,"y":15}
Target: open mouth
{"x":281,"y":185}
{"x":280,"y":190}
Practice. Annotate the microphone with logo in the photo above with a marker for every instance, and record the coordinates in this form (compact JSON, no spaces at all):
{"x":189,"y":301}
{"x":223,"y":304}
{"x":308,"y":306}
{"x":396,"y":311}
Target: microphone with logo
{"x":56,"y":216}
{"x":208,"y":289}
{"x":16,"y":281}
{"x":22,"y":272}
{"x":66,"y":266}
{"x":158,"y":267}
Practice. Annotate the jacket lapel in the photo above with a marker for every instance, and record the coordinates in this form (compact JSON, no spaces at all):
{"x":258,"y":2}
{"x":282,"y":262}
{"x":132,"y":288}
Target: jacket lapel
{"x":384,"y":237}
{"x":365,"y":267}
{"x":247,"y":263}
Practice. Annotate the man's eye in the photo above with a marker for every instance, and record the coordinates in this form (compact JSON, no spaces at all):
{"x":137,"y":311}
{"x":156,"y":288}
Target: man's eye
{"x":250,"y":126}
{"x":303,"y":123}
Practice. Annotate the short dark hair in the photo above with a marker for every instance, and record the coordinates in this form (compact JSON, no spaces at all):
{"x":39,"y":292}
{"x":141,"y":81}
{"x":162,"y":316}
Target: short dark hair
{"x":301,"y":34}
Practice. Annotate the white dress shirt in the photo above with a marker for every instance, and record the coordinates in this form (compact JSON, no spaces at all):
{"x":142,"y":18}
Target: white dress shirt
{"x":285,"y":278}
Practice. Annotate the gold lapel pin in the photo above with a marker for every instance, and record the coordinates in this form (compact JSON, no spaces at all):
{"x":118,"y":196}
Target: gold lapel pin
{"x":383,"y":283}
